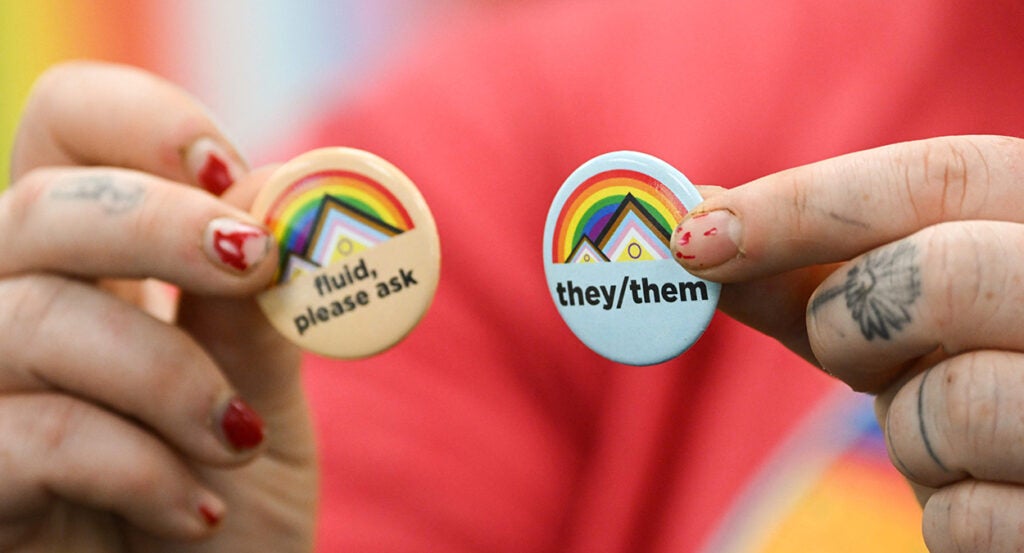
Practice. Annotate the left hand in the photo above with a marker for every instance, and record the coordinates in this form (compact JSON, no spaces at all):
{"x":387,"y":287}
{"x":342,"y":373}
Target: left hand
{"x":124,"y":426}
{"x":898,"y":270}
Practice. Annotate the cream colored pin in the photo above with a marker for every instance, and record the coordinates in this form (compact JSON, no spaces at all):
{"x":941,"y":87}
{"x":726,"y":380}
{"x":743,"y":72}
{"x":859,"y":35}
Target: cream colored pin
{"x":359,"y":252}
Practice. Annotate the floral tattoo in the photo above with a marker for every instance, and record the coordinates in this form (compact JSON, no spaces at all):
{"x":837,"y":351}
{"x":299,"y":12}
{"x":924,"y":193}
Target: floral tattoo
{"x":879,"y":290}
{"x":113,"y":196}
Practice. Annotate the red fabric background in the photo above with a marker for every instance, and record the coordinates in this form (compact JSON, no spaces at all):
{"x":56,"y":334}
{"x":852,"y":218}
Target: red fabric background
{"x":491,"y":428}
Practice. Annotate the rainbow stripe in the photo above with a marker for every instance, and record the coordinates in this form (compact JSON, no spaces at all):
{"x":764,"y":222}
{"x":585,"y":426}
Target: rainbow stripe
{"x":293,"y":216}
{"x":591,"y":206}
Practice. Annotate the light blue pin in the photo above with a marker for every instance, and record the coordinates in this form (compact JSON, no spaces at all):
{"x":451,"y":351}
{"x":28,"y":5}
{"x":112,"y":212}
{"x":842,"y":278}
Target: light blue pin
{"x":609,"y":266}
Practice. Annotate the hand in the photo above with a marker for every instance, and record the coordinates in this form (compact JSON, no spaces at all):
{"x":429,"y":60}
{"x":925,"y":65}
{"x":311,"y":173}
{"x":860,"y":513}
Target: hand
{"x":899,"y":271}
{"x":129,"y":420}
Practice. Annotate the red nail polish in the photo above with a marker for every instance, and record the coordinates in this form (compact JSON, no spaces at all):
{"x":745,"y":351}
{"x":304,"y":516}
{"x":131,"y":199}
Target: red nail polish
{"x":230,"y":247}
{"x":214,"y":175}
{"x":712,"y":237}
{"x":242,"y":426}
{"x":235,"y":244}
{"x":211,"y":517}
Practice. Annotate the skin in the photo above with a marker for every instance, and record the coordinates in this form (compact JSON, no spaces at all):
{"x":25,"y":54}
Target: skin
{"x":897,"y":270}
{"x":111,"y":388}
{"x":892,"y":269}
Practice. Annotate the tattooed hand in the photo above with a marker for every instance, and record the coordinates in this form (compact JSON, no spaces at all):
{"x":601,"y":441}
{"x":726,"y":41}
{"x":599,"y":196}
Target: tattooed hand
{"x":134,"y":417}
{"x":898,"y":270}
{"x":879,"y":290}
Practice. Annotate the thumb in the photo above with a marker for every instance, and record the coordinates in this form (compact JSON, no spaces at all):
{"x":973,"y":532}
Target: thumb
{"x":772,"y":303}
{"x":778,"y":237}
{"x":255,"y":358}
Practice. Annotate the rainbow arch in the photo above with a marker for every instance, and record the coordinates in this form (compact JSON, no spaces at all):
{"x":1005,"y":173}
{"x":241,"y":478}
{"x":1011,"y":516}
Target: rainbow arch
{"x":292,"y":217}
{"x":590,"y":207}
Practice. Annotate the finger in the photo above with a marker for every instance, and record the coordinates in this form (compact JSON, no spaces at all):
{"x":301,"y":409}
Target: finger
{"x":88,"y":113}
{"x":68,"y":336}
{"x":708,"y":191}
{"x":974,"y":516}
{"x":949,"y":286}
{"x":103,"y":222}
{"x":777,"y":305}
{"x":158,"y":299}
{"x":256,"y":359}
{"x":835,"y":209}
{"x":55,"y":445}
{"x":961,"y":418}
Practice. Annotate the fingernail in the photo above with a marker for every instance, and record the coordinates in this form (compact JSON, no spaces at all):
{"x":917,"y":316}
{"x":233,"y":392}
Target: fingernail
{"x":241,"y":426}
{"x":707,"y":239}
{"x":234,"y":245}
{"x":211,"y":510}
{"x":210,"y":166}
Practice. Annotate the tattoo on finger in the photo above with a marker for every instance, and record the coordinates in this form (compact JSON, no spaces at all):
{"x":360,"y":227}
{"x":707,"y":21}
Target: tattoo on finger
{"x":893,"y":454}
{"x":113,"y":196}
{"x":921,"y":413}
{"x":879,"y":290}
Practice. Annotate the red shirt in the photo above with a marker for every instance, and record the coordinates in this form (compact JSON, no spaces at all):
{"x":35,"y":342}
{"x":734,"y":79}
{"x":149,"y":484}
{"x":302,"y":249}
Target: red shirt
{"x":492,"y":428}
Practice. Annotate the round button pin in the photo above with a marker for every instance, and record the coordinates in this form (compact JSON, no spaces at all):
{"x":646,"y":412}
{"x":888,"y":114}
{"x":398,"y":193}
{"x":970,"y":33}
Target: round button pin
{"x":359,"y":252}
{"x":608,"y":262}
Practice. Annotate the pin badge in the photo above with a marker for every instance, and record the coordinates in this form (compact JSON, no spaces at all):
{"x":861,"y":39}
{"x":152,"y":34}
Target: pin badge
{"x":608,"y":262}
{"x":359,"y":252}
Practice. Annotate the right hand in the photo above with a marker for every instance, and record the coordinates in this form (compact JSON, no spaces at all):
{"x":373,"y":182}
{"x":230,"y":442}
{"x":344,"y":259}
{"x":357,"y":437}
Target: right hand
{"x":125,"y":418}
{"x":898,"y":270}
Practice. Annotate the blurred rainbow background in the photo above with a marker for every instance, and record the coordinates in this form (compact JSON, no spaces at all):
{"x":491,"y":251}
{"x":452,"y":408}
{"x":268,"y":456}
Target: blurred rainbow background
{"x":260,"y":65}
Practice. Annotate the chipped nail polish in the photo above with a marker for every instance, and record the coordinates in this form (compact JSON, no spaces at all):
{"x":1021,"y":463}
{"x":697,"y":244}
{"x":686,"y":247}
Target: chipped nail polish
{"x":707,"y":239}
{"x":210,"y":166}
{"x":235,"y":245}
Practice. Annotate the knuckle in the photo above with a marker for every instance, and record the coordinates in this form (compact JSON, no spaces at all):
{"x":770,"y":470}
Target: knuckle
{"x":895,"y":430}
{"x":1012,"y":149}
{"x":801,"y":202}
{"x":22,"y":198}
{"x":54,"y":82}
{"x":51,"y":81}
{"x":147,"y":220}
{"x":983,"y":276}
{"x":141,"y":480}
{"x":151,"y":220}
{"x":966,"y":278}
{"x":62,"y":425}
{"x":954,"y":255}
{"x":185,"y":376}
{"x":970,"y":518}
{"x":43,"y":101}
{"x":56,"y":423}
{"x":947,"y":178}
{"x":938,"y":259}
{"x":29,"y":303}
{"x":971,"y":396}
